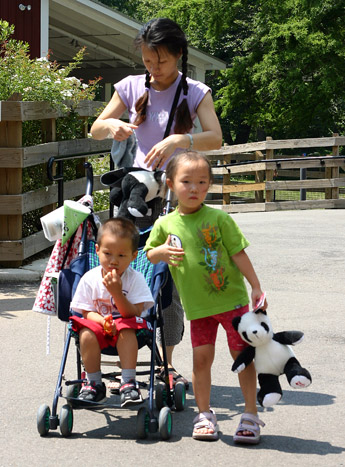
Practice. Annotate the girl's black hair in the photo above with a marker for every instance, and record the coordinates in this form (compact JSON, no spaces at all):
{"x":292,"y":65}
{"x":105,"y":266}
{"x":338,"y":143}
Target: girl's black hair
{"x":163,"y":32}
{"x":186,"y":156}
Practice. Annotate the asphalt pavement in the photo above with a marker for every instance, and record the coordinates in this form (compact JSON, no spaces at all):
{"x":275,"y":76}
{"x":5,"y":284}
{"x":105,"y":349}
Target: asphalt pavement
{"x":299,"y":258}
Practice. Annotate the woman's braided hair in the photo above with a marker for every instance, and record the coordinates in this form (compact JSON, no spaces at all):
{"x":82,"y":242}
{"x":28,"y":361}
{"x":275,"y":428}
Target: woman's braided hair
{"x":164,"y":32}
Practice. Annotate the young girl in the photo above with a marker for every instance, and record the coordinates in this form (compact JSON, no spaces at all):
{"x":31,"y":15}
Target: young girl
{"x":148,"y":99}
{"x":207,"y":262}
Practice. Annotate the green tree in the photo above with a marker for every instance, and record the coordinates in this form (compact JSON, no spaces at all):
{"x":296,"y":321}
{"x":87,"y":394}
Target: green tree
{"x":285,"y":62}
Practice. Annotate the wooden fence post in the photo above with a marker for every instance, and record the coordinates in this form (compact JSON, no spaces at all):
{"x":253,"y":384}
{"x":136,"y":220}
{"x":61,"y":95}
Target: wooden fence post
{"x":11,"y":184}
{"x":269,"y":173}
{"x":48,"y":136}
{"x":335,"y":170}
{"x":259,"y":178}
{"x":226,"y":181}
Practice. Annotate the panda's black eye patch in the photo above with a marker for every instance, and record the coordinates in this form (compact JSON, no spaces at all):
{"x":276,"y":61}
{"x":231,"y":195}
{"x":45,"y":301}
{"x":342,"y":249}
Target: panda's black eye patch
{"x":264,"y":325}
{"x":245,"y":336}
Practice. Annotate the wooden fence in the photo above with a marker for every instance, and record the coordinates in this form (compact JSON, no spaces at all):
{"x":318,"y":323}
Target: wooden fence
{"x":324,"y":175}
{"x":14,"y":158}
{"x":256,"y":159}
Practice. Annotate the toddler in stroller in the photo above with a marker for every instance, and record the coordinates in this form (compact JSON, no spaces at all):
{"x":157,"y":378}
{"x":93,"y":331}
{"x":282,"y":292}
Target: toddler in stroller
{"x":111,"y":298}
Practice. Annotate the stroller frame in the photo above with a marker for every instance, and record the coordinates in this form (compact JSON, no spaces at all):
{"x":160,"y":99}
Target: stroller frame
{"x":166,"y":395}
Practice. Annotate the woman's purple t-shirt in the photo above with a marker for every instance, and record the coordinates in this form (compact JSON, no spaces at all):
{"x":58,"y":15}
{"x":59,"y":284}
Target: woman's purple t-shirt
{"x":152,"y":130}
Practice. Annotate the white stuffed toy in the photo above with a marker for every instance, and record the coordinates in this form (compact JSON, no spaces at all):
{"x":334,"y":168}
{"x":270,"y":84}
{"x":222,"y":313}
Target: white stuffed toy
{"x":272,"y":356}
{"x":132,"y":188}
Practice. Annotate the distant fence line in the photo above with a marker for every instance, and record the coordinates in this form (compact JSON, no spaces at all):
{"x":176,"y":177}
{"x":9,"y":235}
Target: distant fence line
{"x":255,"y":159}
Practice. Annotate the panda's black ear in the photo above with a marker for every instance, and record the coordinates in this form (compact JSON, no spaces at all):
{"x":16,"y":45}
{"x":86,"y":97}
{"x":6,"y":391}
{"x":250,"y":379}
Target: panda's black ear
{"x":235,"y":322}
{"x":260,"y":310}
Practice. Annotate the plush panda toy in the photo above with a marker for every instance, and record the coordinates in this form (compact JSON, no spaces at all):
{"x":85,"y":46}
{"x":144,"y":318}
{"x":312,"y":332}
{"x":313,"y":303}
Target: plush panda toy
{"x":272,"y":356}
{"x":132,"y":188}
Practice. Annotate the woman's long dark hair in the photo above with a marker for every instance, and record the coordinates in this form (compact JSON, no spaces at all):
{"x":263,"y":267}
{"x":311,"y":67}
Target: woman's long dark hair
{"x":164,"y":32}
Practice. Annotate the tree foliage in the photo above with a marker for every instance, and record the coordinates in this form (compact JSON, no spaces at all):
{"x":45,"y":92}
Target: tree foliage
{"x":285,"y":61}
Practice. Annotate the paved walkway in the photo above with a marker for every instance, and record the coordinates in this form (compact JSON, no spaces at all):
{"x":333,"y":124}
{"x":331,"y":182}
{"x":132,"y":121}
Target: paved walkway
{"x":299,"y":257}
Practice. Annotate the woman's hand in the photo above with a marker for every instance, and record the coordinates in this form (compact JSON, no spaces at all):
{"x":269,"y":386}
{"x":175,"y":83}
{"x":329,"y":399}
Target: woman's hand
{"x":161,"y":152}
{"x":118,"y":129}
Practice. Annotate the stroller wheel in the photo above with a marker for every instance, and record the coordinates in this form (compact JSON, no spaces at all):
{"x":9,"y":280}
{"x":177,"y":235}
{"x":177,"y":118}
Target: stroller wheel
{"x":43,"y":415}
{"x":72,"y":391}
{"x":143,"y":420}
{"x":66,"y":420}
{"x":165,"y":423}
{"x":161,"y":395}
{"x":180,"y":395}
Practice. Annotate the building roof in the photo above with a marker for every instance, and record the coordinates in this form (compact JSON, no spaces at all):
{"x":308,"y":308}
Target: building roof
{"x":108,"y":36}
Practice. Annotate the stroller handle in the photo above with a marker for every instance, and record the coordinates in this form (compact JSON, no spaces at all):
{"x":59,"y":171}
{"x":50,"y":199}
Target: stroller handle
{"x":89,"y":178}
{"x":89,"y":189}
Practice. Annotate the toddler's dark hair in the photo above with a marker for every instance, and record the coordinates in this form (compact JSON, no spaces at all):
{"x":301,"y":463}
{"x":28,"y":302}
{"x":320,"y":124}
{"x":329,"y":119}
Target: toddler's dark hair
{"x":165,"y":33}
{"x":186,"y":156}
{"x":121,"y":227}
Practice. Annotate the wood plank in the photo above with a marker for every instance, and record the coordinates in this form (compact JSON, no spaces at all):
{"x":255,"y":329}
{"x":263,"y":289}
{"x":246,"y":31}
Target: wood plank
{"x":297,"y":184}
{"x":11,"y":251}
{"x":23,"y":203}
{"x":11,"y":158}
{"x":84,"y":146}
{"x":293,"y":205}
{"x":304,"y":163}
{"x":243,"y":187}
{"x":216,"y":189}
{"x":11,"y":205}
{"x":35,"y":244}
{"x":246,"y":168}
{"x":279,"y":144}
{"x":29,"y":110}
{"x":241,"y":207}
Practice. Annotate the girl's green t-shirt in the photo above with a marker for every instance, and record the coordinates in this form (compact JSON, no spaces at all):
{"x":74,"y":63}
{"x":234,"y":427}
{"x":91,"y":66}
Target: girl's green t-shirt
{"x":207,"y":279}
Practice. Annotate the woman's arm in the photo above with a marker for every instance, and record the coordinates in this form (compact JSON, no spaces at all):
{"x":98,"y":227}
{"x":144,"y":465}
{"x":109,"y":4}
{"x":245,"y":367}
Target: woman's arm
{"x":108,"y":123}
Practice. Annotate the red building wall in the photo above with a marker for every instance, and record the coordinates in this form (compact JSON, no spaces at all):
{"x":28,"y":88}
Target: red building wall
{"x":27,"y":23}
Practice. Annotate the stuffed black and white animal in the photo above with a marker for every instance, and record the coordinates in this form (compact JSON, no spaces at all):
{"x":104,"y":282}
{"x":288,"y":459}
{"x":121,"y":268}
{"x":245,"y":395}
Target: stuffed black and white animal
{"x":132,"y":188}
{"x":272,"y":356}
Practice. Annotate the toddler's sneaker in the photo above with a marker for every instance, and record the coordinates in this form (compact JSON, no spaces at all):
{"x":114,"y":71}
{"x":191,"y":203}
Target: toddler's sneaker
{"x":130,"y":393}
{"x":92,"y":392}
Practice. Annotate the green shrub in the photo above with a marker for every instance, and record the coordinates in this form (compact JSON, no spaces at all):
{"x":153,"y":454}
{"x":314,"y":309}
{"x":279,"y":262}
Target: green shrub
{"x":42,"y":80}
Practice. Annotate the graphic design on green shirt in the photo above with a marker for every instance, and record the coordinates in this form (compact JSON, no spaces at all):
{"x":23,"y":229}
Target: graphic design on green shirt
{"x":212,"y":253}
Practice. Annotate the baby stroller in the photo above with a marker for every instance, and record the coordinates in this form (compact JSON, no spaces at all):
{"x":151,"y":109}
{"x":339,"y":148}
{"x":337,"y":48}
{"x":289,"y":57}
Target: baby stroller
{"x":167,"y":396}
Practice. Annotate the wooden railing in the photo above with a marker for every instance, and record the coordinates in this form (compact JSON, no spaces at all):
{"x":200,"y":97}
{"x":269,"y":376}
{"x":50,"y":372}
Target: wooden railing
{"x":272,"y":172}
{"x":14,"y":158}
{"x":263,"y":160}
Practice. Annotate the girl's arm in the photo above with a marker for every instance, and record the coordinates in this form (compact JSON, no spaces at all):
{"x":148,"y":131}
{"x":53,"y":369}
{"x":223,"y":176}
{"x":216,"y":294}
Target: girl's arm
{"x":108,"y":123}
{"x":169,"y":254}
{"x":209,"y":138}
{"x":245,"y":266}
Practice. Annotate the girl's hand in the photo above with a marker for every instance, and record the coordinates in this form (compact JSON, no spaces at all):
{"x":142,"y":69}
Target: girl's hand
{"x":161,"y":152}
{"x":169,"y":254}
{"x":119,"y":130}
{"x":112,"y":282}
{"x":257,"y":296}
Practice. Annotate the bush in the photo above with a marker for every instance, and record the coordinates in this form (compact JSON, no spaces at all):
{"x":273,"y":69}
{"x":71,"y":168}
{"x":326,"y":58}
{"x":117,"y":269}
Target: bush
{"x":41,"y":80}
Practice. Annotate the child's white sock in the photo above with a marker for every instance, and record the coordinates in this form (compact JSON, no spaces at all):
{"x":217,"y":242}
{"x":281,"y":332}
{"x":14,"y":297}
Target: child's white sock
{"x":96,"y":377}
{"x":128,"y":375}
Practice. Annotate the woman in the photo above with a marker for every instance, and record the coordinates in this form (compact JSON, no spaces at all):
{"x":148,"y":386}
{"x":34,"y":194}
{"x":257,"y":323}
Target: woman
{"x":148,"y":99}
